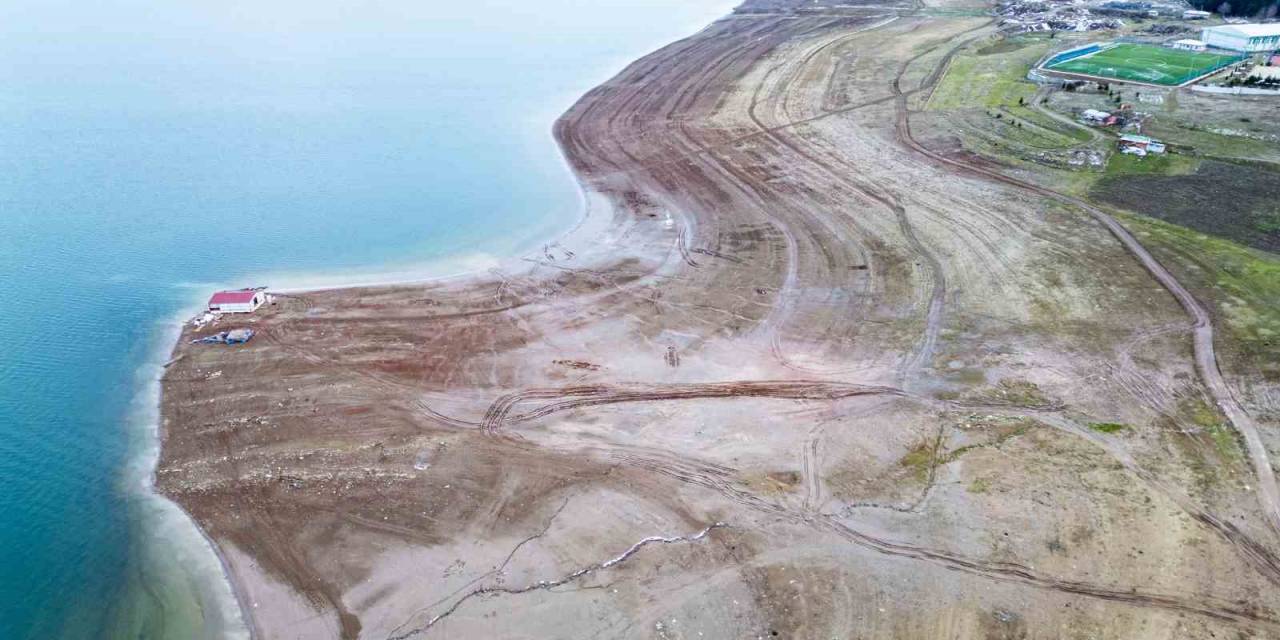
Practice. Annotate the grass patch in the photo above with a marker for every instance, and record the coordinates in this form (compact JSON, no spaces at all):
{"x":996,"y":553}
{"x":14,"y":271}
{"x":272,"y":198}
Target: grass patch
{"x":920,"y":459}
{"x":1145,"y":63}
{"x":1061,"y":135}
{"x":974,"y":80}
{"x":1199,"y":141}
{"x":1123,"y":164}
{"x":1210,"y":448}
{"x":1007,"y":45}
{"x":1201,"y":414}
{"x":1076,"y":134}
{"x":1224,"y":441}
{"x":1243,"y":285}
{"x":1207,"y":417}
{"x":1108,"y":427}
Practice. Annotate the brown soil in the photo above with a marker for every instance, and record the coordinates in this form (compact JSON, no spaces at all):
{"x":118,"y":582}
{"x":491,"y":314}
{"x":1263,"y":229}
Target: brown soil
{"x":1251,"y":216}
{"x":810,"y":380}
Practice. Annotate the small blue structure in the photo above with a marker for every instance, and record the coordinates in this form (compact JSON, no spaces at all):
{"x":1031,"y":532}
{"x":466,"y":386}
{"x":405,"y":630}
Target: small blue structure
{"x":232,"y":337}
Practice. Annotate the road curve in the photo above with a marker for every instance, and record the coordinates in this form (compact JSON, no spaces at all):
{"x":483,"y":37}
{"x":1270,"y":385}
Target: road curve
{"x":1206,"y":360}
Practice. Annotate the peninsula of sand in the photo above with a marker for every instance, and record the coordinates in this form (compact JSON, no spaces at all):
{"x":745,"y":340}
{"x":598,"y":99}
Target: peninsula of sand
{"x":812,"y":371}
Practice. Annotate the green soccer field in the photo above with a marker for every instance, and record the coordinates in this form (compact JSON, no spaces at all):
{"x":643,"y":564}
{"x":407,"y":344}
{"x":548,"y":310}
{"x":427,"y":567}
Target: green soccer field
{"x":1145,"y":63}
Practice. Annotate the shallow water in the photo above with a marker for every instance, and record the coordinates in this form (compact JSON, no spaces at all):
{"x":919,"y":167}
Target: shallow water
{"x":152,"y":151}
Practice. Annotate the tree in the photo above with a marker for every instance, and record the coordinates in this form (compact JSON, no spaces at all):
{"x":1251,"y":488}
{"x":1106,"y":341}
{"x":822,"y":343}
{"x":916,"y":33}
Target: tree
{"x":1236,"y":7}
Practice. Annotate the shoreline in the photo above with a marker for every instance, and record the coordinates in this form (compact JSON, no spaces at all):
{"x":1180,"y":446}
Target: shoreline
{"x":171,"y":341}
{"x":424,"y":275}
{"x":142,"y":469}
{"x":413,"y":460}
{"x":595,"y":213}
{"x":443,"y":269}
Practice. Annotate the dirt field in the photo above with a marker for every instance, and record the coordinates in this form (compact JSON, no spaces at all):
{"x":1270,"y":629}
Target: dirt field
{"x":802,"y":374}
{"x":1251,"y":217}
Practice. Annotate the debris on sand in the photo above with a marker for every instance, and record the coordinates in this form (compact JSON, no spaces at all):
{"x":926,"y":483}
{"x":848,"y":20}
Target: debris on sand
{"x":232,"y":337}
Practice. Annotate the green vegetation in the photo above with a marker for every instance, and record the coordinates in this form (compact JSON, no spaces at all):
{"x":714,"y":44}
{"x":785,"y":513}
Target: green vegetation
{"x":986,"y":100}
{"x":1236,"y":7}
{"x":976,"y":80}
{"x":920,"y":458}
{"x":1230,"y":200}
{"x":1059,"y":132}
{"x":1145,"y":63}
{"x":1242,"y":284}
{"x":1224,"y":441}
{"x":1267,"y":222}
{"x":1004,"y":46}
{"x":1166,"y":164}
{"x":1108,"y":427}
{"x":1203,"y":142}
{"x":1215,"y":425}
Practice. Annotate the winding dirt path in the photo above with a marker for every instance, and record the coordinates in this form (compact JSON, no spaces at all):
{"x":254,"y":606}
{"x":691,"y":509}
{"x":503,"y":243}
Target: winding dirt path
{"x":1206,"y":360}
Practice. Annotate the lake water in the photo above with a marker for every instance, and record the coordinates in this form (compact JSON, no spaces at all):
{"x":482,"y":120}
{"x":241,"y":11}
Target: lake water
{"x":150,"y":152}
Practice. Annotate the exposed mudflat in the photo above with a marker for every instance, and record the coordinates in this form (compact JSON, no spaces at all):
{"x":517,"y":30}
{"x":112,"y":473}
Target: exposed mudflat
{"x":808,"y":376}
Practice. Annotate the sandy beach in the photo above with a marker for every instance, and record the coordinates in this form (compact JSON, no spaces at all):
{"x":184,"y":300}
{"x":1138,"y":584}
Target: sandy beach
{"x":808,"y":369}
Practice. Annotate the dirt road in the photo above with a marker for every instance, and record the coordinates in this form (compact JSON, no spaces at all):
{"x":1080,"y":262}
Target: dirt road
{"x":808,"y":369}
{"x":1205,"y":356}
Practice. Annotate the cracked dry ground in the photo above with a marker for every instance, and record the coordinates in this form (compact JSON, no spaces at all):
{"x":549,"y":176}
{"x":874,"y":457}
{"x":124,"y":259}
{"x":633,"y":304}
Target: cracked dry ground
{"x":793,"y":378}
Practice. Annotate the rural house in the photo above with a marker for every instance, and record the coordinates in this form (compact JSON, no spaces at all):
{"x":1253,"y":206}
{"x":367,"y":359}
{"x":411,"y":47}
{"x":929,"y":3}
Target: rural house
{"x":243,"y":301}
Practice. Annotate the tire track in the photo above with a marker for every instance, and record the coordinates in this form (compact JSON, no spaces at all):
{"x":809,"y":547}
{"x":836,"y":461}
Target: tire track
{"x":1206,"y":360}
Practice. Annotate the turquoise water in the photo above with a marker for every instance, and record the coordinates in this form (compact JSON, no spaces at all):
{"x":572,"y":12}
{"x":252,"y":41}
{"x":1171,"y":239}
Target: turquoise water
{"x":150,"y":152}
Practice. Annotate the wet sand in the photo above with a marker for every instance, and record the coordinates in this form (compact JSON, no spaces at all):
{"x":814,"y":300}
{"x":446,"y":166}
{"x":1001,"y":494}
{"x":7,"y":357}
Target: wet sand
{"x":801,"y":377}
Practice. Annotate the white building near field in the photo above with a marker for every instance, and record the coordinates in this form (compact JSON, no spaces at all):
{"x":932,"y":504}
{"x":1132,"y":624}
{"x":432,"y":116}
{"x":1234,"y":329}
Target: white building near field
{"x":1189,"y":45}
{"x":1193,"y":14}
{"x":1245,"y":38}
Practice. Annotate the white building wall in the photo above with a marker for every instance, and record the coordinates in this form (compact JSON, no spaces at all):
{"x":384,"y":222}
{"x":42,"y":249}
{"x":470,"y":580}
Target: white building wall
{"x":1222,"y":40}
{"x":1226,"y":37}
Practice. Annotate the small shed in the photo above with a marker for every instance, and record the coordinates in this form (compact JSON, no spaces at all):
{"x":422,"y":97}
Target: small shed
{"x":242,"y":301}
{"x":1189,"y":44}
{"x":1195,"y":14}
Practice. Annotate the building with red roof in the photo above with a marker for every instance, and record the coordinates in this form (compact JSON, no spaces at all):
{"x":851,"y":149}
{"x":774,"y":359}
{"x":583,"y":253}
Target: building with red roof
{"x":242,"y":301}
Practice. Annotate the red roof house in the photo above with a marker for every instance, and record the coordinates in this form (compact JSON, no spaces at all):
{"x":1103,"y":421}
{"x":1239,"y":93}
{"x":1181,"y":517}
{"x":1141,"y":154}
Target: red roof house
{"x":243,"y":301}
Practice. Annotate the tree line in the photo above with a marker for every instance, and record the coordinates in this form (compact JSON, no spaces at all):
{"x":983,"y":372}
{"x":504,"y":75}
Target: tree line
{"x":1262,"y":9}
